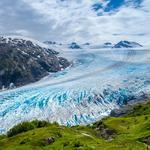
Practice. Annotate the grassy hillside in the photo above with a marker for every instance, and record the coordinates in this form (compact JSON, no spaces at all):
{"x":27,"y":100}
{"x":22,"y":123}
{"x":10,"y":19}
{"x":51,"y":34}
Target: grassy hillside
{"x":131,"y":132}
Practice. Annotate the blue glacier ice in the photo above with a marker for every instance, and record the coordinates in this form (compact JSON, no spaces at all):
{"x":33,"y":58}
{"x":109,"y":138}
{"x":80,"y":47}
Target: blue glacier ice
{"x":97,"y":82}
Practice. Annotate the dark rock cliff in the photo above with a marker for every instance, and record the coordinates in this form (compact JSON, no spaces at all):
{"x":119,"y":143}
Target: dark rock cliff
{"x":23,"y":61}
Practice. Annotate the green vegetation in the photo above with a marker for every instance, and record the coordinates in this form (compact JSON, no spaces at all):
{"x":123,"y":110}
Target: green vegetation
{"x":26,"y":126}
{"x":130,"y":132}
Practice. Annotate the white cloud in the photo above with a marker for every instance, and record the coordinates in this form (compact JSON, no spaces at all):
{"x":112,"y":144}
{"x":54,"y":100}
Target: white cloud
{"x":23,"y":32}
{"x":70,"y":20}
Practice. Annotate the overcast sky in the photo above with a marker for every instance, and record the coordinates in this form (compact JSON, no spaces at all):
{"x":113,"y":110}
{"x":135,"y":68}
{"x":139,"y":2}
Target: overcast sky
{"x":77,"y":20}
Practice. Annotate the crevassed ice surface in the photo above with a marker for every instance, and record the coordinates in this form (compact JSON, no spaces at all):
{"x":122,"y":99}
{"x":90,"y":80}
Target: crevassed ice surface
{"x":97,"y":82}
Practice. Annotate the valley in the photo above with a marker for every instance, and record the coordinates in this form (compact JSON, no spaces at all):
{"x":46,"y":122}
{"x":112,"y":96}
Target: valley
{"x":98,"y":82}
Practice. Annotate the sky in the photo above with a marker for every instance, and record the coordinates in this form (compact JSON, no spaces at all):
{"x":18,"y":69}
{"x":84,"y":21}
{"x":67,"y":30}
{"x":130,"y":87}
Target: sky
{"x":82,"y":21}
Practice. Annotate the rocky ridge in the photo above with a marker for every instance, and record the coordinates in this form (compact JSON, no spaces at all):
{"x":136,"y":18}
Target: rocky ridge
{"x":23,"y":61}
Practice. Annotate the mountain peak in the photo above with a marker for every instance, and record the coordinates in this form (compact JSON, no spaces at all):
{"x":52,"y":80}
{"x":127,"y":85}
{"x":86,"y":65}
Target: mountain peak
{"x":127,"y":44}
{"x":74,"y":45}
{"x":23,"y":61}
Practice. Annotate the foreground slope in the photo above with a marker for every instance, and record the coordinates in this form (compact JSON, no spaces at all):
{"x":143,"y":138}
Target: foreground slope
{"x":131,"y":131}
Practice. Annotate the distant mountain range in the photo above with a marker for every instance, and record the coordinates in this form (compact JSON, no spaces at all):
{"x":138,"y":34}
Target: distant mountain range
{"x":121,"y":44}
{"x":24,"y":60}
{"x":51,"y":43}
{"x":75,"y":45}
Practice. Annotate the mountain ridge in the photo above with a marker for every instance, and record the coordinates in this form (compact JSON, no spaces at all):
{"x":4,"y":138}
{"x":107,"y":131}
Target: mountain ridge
{"x":23,"y":61}
{"x":75,"y":45}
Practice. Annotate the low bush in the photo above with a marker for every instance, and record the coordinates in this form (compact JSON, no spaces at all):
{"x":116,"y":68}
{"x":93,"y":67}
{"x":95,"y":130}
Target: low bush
{"x":26,"y":126}
{"x":77,"y":144}
{"x":22,"y":127}
{"x":40,"y":124}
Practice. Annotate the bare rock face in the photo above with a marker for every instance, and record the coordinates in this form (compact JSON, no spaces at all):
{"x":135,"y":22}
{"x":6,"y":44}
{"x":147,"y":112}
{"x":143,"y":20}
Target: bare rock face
{"x":103,"y":131}
{"x":24,"y":61}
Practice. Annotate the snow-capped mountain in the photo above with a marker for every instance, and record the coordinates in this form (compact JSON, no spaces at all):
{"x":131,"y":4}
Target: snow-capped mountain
{"x":101,"y":46}
{"x":121,"y":44}
{"x":87,"y":44}
{"x":51,"y":43}
{"x":25,"y":60}
{"x":74,"y":45}
{"x":107,"y":45}
{"x":127,"y":44}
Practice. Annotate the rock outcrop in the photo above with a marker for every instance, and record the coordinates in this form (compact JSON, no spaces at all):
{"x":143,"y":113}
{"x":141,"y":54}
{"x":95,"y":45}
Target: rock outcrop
{"x":23,"y":61}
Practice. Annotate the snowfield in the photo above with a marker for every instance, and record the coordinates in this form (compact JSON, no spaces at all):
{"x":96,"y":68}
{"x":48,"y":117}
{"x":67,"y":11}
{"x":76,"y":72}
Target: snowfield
{"x":99,"y":81}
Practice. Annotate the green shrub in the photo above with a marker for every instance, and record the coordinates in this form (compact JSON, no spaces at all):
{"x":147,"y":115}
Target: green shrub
{"x":55,"y":123}
{"x":24,"y":141}
{"x":2,"y":136}
{"x":58,"y":134}
{"x":26,"y":126}
{"x":40,"y":124}
{"x":22,"y":127}
{"x":66,"y":143}
{"x":77,"y":144}
{"x":146,"y":117}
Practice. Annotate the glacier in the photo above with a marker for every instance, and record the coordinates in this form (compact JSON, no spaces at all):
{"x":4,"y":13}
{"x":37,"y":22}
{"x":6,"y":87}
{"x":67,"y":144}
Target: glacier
{"x":98,"y":81}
